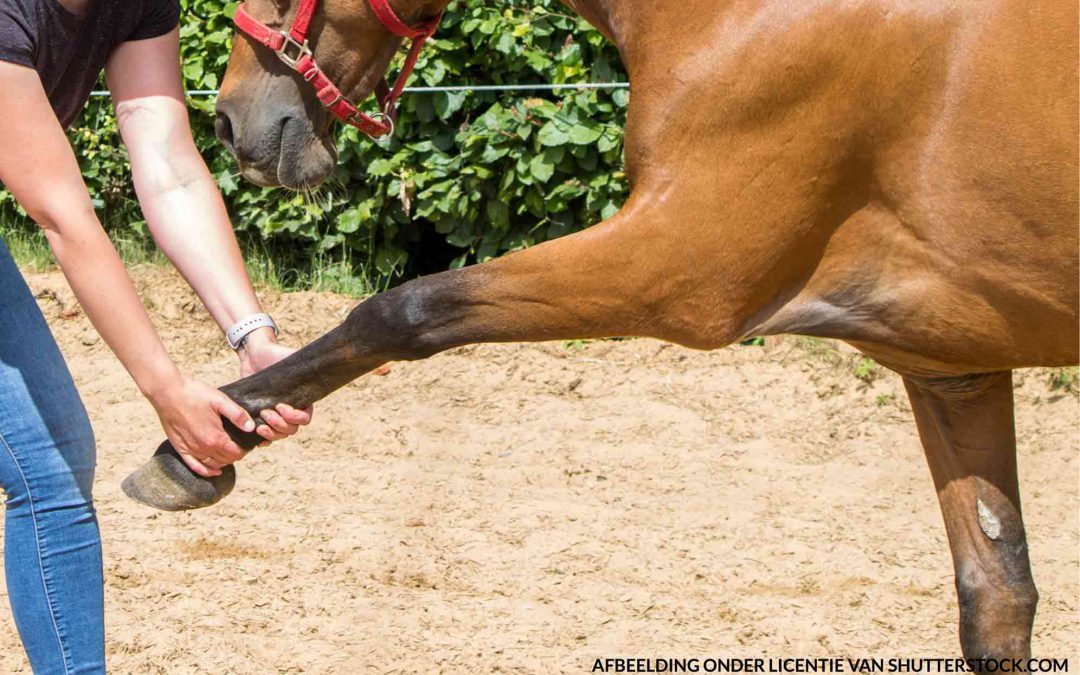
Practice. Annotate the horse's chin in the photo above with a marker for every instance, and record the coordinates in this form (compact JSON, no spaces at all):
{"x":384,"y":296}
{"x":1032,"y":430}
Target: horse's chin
{"x":298,"y":167}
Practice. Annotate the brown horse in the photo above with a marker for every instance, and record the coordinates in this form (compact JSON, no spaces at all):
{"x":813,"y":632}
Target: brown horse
{"x":898,"y":174}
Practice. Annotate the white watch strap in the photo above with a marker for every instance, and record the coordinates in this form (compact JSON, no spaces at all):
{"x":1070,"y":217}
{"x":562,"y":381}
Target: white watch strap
{"x":239,"y":331}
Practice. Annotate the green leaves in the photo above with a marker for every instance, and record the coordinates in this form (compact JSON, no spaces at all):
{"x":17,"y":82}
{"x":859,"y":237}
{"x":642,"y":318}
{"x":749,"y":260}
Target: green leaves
{"x":551,"y":135}
{"x":585,"y":132}
{"x":542,"y":168}
{"x":487,"y":172}
{"x":448,"y":103}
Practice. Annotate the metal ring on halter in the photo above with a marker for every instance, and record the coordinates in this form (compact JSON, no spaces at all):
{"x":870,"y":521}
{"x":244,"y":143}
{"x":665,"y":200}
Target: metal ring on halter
{"x":386,"y":119}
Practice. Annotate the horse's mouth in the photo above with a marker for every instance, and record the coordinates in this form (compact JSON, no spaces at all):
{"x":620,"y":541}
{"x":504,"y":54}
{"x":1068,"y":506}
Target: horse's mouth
{"x":296,"y":167}
{"x":260,"y":177}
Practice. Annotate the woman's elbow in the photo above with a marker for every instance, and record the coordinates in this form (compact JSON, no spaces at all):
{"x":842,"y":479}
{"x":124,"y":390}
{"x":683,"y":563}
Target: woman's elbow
{"x":59,"y":218}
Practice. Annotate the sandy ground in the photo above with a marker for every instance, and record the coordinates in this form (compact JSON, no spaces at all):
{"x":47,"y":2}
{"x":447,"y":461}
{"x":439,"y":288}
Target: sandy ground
{"x":528,"y":508}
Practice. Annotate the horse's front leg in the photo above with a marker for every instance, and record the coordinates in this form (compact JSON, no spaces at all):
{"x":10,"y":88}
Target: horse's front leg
{"x":609,"y":280}
{"x":612,"y":279}
{"x":966,"y":425}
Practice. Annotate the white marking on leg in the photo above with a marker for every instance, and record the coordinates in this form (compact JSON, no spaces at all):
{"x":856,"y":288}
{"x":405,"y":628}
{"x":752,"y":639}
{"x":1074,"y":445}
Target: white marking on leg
{"x":989,"y":523}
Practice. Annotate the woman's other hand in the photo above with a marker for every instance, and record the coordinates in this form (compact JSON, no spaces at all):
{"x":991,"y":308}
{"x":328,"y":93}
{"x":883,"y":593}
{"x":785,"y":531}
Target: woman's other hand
{"x":262,"y":350}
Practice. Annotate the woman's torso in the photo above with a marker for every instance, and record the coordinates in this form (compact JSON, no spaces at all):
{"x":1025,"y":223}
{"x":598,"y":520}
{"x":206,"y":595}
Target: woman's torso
{"x":69,"y":48}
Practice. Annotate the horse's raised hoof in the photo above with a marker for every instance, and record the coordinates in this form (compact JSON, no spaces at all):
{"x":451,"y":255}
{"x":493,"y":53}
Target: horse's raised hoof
{"x":166,"y":483}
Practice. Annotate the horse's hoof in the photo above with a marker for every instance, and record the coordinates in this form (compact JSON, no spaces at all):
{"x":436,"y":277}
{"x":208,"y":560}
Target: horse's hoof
{"x":166,"y":483}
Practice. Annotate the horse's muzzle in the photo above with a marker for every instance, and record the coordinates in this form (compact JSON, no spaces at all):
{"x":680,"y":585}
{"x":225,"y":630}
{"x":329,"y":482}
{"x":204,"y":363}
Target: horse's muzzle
{"x":275,"y":148}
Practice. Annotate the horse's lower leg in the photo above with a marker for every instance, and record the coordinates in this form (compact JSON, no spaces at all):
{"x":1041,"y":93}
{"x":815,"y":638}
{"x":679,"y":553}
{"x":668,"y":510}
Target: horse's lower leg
{"x":966,"y":425}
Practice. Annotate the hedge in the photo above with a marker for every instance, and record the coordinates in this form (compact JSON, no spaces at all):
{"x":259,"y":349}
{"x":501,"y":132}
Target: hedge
{"x":467,"y":176}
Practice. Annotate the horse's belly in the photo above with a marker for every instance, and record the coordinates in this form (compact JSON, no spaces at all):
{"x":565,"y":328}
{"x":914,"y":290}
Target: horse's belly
{"x":884,"y":288}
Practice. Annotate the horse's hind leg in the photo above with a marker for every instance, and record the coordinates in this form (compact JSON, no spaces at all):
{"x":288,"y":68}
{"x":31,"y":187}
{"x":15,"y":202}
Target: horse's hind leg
{"x":966,"y":425}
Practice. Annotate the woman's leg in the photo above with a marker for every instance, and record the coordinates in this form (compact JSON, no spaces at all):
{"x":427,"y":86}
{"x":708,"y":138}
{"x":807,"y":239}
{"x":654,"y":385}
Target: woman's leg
{"x":52,"y":550}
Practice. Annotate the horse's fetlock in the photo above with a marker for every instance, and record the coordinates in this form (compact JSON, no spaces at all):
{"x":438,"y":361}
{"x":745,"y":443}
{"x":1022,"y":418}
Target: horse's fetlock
{"x":996,"y":612}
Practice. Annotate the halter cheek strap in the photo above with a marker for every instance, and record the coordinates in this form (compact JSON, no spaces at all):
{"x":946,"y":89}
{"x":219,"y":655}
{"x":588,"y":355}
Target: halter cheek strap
{"x":292,"y":48}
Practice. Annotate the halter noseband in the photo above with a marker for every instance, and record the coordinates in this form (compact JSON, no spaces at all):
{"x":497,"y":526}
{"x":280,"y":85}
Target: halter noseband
{"x":292,"y":48}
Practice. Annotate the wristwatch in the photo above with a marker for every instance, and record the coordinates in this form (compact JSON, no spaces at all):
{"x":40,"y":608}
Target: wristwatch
{"x":239,"y":331}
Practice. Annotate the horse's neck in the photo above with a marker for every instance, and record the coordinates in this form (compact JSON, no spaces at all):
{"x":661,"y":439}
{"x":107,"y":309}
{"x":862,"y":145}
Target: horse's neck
{"x":630,"y":22}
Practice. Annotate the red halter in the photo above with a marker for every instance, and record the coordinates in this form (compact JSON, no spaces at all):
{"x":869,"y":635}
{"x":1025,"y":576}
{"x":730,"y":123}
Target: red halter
{"x":292,"y":48}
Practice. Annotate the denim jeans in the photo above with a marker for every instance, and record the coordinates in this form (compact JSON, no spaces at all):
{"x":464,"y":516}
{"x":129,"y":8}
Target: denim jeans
{"x":52,"y":550}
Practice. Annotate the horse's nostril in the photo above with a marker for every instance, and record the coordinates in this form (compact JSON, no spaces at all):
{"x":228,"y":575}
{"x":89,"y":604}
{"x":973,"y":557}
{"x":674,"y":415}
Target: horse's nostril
{"x":224,"y":129}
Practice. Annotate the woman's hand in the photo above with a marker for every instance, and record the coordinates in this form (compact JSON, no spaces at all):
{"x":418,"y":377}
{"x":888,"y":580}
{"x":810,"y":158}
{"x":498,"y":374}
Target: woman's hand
{"x":262,"y":350}
{"x":191,"y":412}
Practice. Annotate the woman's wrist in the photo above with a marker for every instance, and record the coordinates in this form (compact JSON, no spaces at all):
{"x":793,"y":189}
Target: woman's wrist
{"x":258,"y":338}
{"x":159,"y":379}
{"x":255,"y":345}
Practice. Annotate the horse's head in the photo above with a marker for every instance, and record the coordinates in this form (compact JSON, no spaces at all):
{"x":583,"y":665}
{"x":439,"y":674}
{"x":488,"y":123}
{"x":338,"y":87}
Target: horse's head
{"x":268,"y":114}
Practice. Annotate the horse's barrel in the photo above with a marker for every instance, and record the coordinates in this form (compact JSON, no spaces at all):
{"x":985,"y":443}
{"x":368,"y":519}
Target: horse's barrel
{"x":166,"y":483}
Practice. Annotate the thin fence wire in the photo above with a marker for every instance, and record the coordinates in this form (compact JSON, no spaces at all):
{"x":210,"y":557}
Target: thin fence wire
{"x":461,"y":88}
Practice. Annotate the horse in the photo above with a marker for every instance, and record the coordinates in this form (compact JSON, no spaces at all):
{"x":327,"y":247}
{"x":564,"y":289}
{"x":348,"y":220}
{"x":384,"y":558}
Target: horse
{"x":900,"y":175}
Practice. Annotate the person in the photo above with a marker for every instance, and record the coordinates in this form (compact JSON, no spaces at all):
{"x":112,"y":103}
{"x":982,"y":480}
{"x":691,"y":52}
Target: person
{"x":51,"y":55}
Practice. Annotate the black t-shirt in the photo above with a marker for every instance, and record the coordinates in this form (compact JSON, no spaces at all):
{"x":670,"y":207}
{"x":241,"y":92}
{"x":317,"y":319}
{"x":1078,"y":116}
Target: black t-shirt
{"x":69,"y":51}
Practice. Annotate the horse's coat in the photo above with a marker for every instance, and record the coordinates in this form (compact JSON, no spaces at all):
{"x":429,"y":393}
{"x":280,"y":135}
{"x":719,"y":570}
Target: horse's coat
{"x":899,"y":174}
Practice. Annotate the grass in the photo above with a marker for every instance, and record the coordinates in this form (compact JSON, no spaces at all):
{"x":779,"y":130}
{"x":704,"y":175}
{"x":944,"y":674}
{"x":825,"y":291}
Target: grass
{"x":274,"y":268}
{"x":282,"y":270}
{"x":28,"y":247}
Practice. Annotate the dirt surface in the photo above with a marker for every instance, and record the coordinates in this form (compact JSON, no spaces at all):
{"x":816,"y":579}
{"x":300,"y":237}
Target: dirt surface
{"x":528,"y":508}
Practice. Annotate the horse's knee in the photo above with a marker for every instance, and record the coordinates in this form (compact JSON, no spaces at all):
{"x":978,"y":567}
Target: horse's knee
{"x":414,"y":320}
{"x":996,"y":611}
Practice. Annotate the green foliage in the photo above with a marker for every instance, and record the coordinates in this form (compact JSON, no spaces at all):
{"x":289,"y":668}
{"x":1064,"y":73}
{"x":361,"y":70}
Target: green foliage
{"x":1065,"y":380}
{"x":489,"y":172}
{"x":866,"y":370}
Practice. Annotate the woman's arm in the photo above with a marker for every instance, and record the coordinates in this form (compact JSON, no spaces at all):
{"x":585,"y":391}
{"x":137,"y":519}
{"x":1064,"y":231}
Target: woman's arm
{"x":38,"y":166}
{"x":182,"y":204}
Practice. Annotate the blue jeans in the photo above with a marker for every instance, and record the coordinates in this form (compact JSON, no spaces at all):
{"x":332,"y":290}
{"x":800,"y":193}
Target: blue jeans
{"x":52,"y":550}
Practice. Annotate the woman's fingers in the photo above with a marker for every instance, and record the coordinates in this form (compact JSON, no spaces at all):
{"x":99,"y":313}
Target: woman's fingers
{"x":282,"y":421}
{"x":230,"y":410}
{"x":267,"y":434}
{"x":211,"y":454}
{"x":294,"y":416}
{"x":193,"y":415}
{"x":231,"y":452}
{"x":199,"y":467}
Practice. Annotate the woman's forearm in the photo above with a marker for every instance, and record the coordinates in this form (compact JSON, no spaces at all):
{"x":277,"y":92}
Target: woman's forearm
{"x":191,"y":227}
{"x":108,"y":297}
{"x":188,"y":220}
{"x":182,"y":204}
{"x":184,"y":209}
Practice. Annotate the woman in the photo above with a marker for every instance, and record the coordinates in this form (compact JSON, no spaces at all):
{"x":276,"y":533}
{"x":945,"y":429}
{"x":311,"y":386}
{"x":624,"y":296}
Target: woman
{"x":51,"y":54}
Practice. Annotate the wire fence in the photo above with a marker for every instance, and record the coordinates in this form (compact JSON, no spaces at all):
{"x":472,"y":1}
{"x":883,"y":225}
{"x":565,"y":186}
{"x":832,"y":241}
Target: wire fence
{"x":460,"y":88}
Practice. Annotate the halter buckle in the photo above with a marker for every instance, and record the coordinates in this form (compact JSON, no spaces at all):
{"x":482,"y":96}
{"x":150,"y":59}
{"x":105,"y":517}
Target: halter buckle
{"x":301,"y":49}
{"x":385,"y":119}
